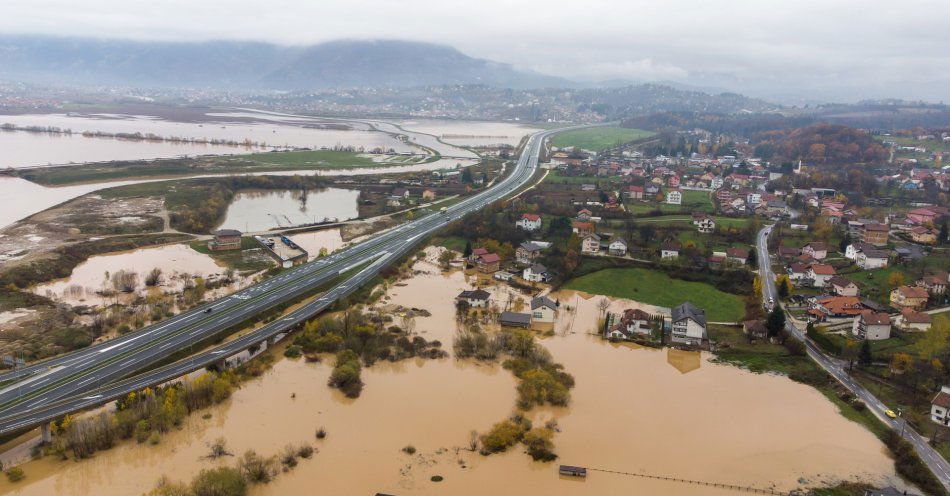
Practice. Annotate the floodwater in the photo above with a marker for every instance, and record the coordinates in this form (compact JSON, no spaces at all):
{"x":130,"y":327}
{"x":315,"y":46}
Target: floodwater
{"x":313,"y":242}
{"x":633,"y":410}
{"x":471,"y":133}
{"x":177,"y":261}
{"x":23,"y":149}
{"x":260,"y":210}
{"x":20,"y":149}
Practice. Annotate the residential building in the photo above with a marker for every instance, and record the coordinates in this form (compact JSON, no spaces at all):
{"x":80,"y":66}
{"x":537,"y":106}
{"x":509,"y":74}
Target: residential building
{"x":583,"y":228}
{"x":515,"y":319}
{"x":488,"y":263}
{"x":755,"y":329}
{"x":669,"y":249}
{"x":909,"y":297}
{"x":875,"y":234}
{"x":428,"y":195}
{"x":617,"y":247}
{"x":737,"y":256}
{"x":225,"y":239}
{"x":674,"y":197}
{"x":584,"y":215}
{"x":535,"y":273}
{"x":798,"y":274}
{"x":590,"y":244}
{"x":543,"y":309}
{"x":913,"y":321}
{"x":527,"y":252}
{"x":502,"y":275}
{"x":706,"y":225}
{"x":816,"y":249}
{"x":634,"y":192}
{"x":477,"y":252}
{"x":940,"y":407}
{"x":934,"y":284}
{"x":636,"y":322}
{"x":476,"y":298}
{"x":872,"y":326}
{"x":871,"y":259}
{"x":835,"y":306}
{"x":529,"y":222}
{"x":851,"y":252}
{"x":923,"y":235}
{"x":688,"y":324}
{"x":842,"y":286}
{"x":820,"y":274}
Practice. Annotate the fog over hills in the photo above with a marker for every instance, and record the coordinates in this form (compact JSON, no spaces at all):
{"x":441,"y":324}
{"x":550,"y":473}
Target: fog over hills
{"x":254,"y":65}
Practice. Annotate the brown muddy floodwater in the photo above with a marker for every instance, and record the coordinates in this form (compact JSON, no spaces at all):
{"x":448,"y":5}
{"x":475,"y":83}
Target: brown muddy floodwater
{"x":662,"y":412}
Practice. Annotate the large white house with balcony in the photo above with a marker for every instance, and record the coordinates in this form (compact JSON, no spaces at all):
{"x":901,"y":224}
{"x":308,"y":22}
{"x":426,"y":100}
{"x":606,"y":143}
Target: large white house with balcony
{"x":688,"y":324}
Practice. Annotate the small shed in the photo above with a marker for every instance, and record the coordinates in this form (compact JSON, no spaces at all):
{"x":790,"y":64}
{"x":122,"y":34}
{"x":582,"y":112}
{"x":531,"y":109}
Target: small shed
{"x":573,"y":471}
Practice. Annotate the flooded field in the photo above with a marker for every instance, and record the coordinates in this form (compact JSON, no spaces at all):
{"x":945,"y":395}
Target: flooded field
{"x":178,"y":262}
{"x":22,"y":149}
{"x":472,"y":133}
{"x":628,"y":406}
{"x":260,"y":210}
{"x":324,"y":239}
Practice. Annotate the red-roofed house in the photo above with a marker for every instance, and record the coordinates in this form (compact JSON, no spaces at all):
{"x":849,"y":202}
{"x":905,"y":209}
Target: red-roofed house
{"x":488,"y":263}
{"x":911,"y":297}
{"x":529,"y":222}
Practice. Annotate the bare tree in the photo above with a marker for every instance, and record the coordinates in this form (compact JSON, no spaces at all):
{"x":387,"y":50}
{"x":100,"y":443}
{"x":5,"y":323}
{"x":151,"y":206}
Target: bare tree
{"x":603,"y":304}
{"x":154,"y":278}
{"x":125,"y":281}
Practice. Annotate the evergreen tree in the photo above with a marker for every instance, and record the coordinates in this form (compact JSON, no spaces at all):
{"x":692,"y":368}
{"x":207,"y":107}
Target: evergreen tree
{"x":753,"y":258}
{"x":944,"y":234}
{"x":776,"y":321}
{"x":468,"y":249}
{"x":864,"y":356}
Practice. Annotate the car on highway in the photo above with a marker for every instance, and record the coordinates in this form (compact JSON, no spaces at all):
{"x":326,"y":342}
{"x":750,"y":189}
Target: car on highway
{"x":208,"y":310}
{"x":890,"y":413}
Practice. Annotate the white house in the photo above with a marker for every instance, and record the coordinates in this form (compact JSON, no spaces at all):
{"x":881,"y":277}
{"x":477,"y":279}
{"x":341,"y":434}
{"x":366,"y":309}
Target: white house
{"x":477,"y":298}
{"x":816,"y":250}
{"x":590,"y":244}
{"x":617,"y":247}
{"x":535,"y":273}
{"x":706,"y":225}
{"x":872,"y":326}
{"x":851,"y":252}
{"x":543,"y":309}
{"x":753,"y":198}
{"x":529,"y":222}
{"x":689,"y":324}
{"x":820,"y":274}
{"x":669,"y":250}
{"x":842,"y":286}
{"x":674,"y":197}
{"x":716,"y":182}
{"x":940,"y":407}
{"x":913,"y":321}
{"x":503,"y":276}
{"x":871,"y":259}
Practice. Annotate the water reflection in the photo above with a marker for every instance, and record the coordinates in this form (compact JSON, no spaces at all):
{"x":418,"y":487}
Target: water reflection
{"x":684,"y":361}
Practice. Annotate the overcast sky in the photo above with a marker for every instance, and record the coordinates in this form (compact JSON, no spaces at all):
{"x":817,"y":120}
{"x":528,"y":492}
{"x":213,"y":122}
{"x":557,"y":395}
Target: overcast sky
{"x":837,"y":49}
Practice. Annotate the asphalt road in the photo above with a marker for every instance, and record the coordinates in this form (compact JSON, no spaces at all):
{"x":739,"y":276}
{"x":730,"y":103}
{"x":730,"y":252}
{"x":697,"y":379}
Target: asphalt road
{"x":94,"y":375}
{"x":937,"y":464}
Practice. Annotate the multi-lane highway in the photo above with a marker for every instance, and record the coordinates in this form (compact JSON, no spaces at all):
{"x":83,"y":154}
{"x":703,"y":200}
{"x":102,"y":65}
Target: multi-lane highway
{"x":937,"y":464}
{"x":91,"y":376}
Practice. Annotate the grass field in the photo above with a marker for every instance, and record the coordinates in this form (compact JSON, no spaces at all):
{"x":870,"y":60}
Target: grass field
{"x":598,"y":138}
{"x":656,"y":288}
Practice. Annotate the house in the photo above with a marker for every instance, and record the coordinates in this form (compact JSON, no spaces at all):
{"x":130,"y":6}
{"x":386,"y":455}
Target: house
{"x":636,"y":322}
{"x":674,"y":197}
{"x":924,"y":235}
{"x":940,"y":407}
{"x":400,"y":193}
{"x":590,"y":244}
{"x":583,"y":228}
{"x":477,"y":298}
{"x":934,"y":284}
{"x":543,"y":309}
{"x":617,"y":247}
{"x":912,"y":321}
{"x":798,"y":273}
{"x":515,"y":319}
{"x":738,"y":256}
{"x":488,"y":263}
{"x":529,"y":222}
{"x":428,"y":195}
{"x":816,"y":250}
{"x":706,"y":225}
{"x":225,"y":239}
{"x":634,"y":192}
{"x":909,"y":297}
{"x":535,"y":273}
{"x":851,"y":252}
{"x":527,"y":252}
{"x":875,"y":234}
{"x":820,"y":274}
{"x":669,"y":249}
{"x":584,"y":215}
{"x":477,"y":252}
{"x":755,"y":329}
{"x":836,"y":306}
{"x":776,"y":208}
{"x":925,"y":215}
{"x":688,"y":324}
{"x":871,"y":259}
{"x":788,"y":252}
{"x":502,"y":275}
{"x":842,"y":286}
{"x":872,"y":326}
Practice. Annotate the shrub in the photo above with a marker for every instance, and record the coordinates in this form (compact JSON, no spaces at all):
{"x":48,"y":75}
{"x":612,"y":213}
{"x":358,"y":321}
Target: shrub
{"x":288,"y":457}
{"x":142,"y":430}
{"x":221,"y":481}
{"x":539,"y":445}
{"x":293,"y":351}
{"x":504,"y":435}
{"x":15,"y":474}
{"x":409,"y":449}
{"x":305,"y":451}
{"x":256,"y":468}
{"x":154,"y":438}
{"x":321,"y":433}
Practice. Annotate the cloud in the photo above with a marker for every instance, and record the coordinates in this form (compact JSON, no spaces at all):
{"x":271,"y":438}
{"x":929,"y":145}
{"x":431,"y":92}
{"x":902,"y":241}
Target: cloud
{"x":758,"y":45}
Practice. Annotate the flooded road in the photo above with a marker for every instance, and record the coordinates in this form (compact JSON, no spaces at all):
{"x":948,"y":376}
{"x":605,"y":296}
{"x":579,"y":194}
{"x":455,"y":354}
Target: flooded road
{"x":471,"y":133}
{"x":633,"y":409}
{"x":260,"y":210}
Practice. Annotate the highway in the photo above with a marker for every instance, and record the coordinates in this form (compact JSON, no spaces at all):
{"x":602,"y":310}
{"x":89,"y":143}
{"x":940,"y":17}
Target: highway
{"x":94,"y":375}
{"x":937,"y":464}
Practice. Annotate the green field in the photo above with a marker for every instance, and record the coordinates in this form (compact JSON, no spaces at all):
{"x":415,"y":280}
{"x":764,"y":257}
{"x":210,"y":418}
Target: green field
{"x":656,"y":288}
{"x":598,"y":138}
